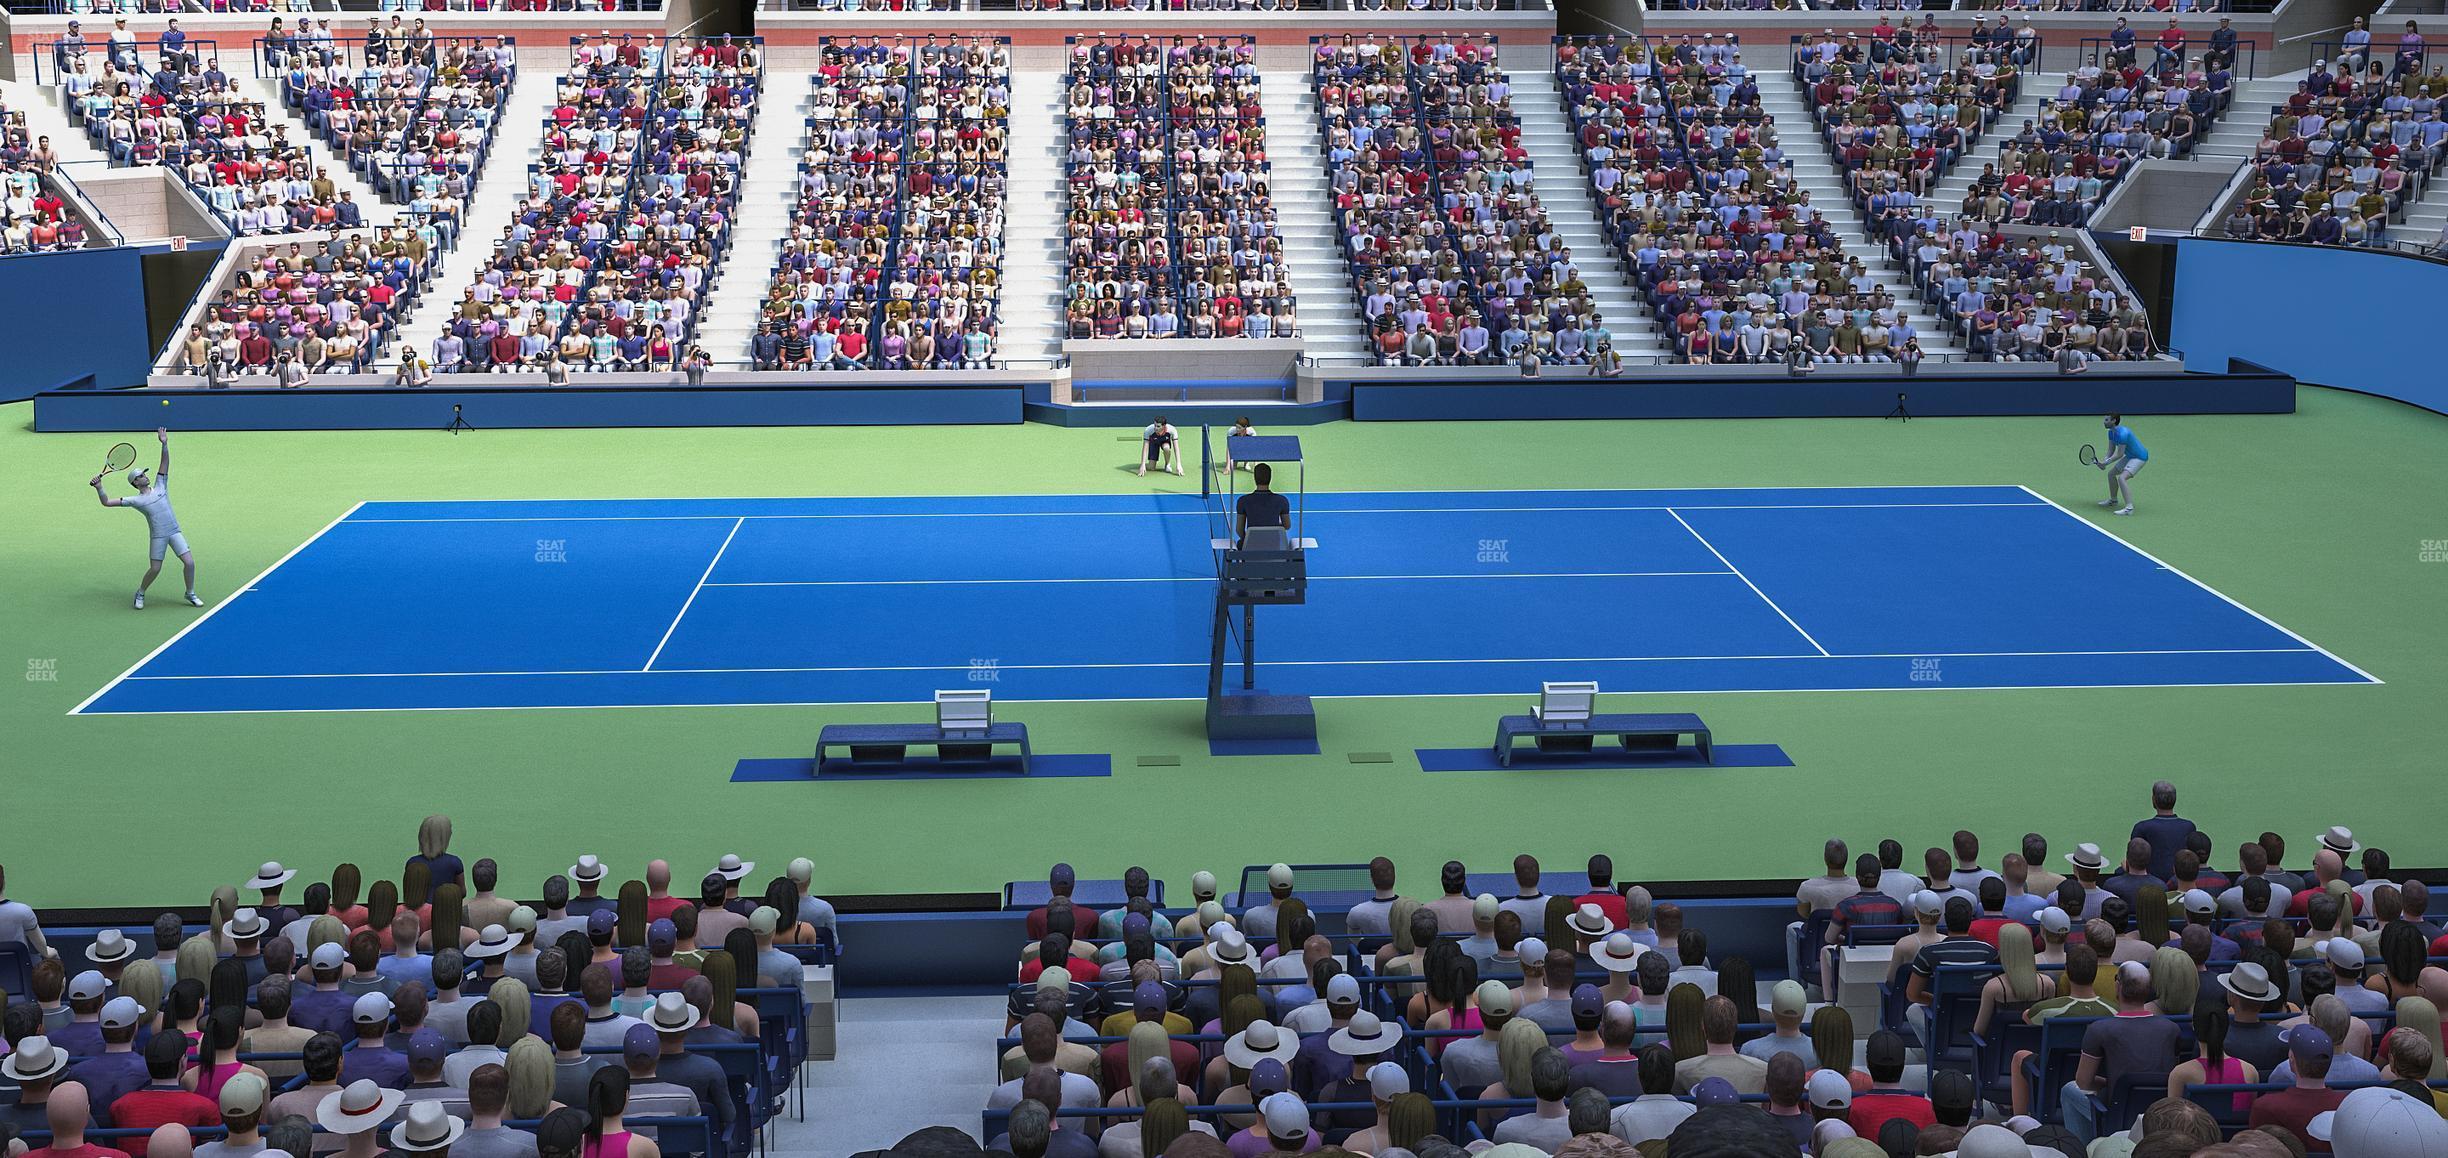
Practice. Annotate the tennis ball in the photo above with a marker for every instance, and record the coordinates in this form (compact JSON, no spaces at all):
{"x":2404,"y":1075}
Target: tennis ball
{"x":165,"y":402}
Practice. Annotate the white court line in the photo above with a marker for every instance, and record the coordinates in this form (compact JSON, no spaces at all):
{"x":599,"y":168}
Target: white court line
{"x":1211,"y":579}
{"x":409,"y":675}
{"x":1196,"y":514}
{"x":1092,"y":495}
{"x":213,"y":610}
{"x":1755,"y":590}
{"x":2229,"y":600}
{"x":1515,"y":695}
{"x":692,"y":595}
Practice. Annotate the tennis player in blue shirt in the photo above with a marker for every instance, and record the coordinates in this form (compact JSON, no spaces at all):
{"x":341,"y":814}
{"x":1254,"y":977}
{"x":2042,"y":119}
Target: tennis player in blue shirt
{"x":2126,"y":456}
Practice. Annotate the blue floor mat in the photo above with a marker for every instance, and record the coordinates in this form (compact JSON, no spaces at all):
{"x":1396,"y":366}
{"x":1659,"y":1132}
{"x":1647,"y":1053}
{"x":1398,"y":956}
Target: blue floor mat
{"x":1041,"y":767}
{"x":1483,"y":759}
{"x":1262,"y":747}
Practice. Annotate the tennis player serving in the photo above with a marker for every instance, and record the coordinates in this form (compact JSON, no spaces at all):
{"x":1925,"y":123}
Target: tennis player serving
{"x":153,"y":498}
{"x":2126,"y":456}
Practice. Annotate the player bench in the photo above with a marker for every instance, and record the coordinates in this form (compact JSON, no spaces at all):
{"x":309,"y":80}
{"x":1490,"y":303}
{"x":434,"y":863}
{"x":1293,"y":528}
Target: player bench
{"x":963,"y":735}
{"x":1564,"y":722}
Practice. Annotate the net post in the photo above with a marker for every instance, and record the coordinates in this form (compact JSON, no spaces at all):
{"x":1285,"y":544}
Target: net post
{"x":1206,"y":467}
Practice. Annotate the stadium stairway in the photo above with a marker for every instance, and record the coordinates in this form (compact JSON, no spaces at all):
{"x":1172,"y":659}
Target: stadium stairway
{"x":1957,"y":183}
{"x":768,"y":200}
{"x":1562,"y":185}
{"x":2234,"y":136}
{"x":1030,"y":315}
{"x":1330,"y":324}
{"x":500,"y":186}
{"x":379,"y":210}
{"x":1815,"y":169}
{"x":2426,"y":216}
{"x":44,"y":117}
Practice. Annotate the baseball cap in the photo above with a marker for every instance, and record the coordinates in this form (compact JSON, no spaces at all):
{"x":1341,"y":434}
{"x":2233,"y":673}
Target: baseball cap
{"x":2343,"y":953}
{"x":1387,"y":1079}
{"x":2200,"y":901}
{"x":121,"y":1012}
{"x":328,"y":955}
{"x":371,"y":1009}
{"x":1148,"y":997}
{"x":427,"y":1046}
{"x":1714,"y":1092}
{"x":1495,"y":997}
{"x":1269,"y":1077}
{"x":662,"y":934}
{"x":1286,"y":1115}
{"x":1587,"y":1001}
{"x":641,"y":1043}
{"x":242,"y":1094}
{"x":1951,"y":1089}
{"x":1202,"y":884}
{"x":764,"y":921}
{"x":2379,"y":1122}
{"x":1483,"y":907}
{"x":1927,"y":902}
{"x":2055,"y":920}
{"x":1343,"y":989}
{"x":601,"y":922}
{"x":87,"y":986}
{"x":2305,"y":1040}
{"x":1279,"y":876}
{"x":1991,"y":1141}
{"x":1789,"y":999}
{"x":1531,"y":949}
{"x":1828,"y":1090}
{"x":1884,"y":1050}
{"x":1061,"y":874}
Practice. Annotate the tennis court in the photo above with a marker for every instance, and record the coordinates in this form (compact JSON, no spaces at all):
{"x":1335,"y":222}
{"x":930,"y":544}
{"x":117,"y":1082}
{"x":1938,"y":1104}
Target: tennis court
{"x":670,"y":602}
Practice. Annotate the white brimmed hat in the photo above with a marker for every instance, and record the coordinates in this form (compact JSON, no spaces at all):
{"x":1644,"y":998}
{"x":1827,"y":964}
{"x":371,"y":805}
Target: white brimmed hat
{"x":671,"y":1013}
{"x":357,"y":1108}
{"x":271,"y":876}
{"x":2340,"y":840}
{"x":588,"y":870}
{"x":426,"y":1127}
{"x":1259,"y":1041}
{"x":494,"y":942}
{"x":1619,"y":953}
{"x":36,"y":1058}
{"x":245,"y":925}
{"x":1589,"y":921}
{"x":1230,"y":947}
{"x":732,"y":868}
{"x":2086,"y":856}
{"x":109,"y":947}
{"x":1365,"y":1035}
{"x":2250,"y":982}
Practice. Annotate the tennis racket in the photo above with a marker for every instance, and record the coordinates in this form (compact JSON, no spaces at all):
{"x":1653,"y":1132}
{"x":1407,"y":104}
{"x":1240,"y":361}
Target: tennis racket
{"x":2087,"y":456}
{"x":121,"y":457}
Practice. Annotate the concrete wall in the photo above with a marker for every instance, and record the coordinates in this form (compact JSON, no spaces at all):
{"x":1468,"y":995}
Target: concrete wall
{"x":148,"y":204}
{"x":2162,"y":194}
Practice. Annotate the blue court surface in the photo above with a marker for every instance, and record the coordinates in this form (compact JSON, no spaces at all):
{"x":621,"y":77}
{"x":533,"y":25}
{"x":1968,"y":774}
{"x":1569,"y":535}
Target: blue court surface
{"x":613,"y":603}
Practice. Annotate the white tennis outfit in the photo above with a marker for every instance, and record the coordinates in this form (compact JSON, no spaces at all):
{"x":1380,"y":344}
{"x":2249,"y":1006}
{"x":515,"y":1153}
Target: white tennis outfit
{"x":159,"y":518}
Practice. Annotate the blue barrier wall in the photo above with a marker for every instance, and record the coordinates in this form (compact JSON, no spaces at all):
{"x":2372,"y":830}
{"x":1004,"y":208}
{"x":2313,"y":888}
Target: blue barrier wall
{"x":2351,"y":318}
{"x":498,"y":409}
{"x":64,"y":316}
